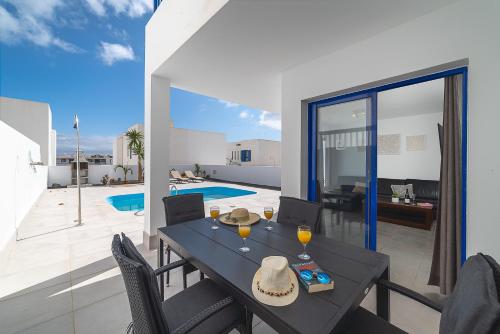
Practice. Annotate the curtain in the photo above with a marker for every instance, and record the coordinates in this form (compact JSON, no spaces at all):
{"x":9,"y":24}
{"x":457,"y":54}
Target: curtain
{"x":447,"y":244}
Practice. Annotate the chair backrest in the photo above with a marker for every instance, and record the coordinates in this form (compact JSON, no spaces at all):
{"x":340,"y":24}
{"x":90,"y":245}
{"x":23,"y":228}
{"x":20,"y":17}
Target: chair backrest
{"x":297,"y":212}
{"x":474,"y":306}
{"x":175,"y":174}
{"x":319,"y":192}
{"x":142,"y":288}
{"x":181,"y":208}
{"x":189,"y":173}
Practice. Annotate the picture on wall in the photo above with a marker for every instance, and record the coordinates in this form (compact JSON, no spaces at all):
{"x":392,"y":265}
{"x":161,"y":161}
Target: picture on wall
{"x":415,"y":143}
{"x":389,"y":144}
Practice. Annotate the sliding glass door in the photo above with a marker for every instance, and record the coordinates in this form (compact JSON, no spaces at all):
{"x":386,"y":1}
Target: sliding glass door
{"x":344,"y":168}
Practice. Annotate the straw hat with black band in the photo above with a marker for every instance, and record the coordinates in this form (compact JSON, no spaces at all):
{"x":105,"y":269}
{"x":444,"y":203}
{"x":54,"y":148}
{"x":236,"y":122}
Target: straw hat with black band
{"x":275,"y":283}
{"x":239,"y":216}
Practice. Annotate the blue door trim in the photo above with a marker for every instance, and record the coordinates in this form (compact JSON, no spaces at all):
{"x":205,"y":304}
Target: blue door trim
{"x":372,"y":93}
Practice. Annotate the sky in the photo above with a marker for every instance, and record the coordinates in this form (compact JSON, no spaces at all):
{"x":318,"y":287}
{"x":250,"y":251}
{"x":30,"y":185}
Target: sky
{"x":87,"y":57}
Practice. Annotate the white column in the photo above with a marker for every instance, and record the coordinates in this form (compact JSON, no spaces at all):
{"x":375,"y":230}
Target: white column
{"x":156,"y":164}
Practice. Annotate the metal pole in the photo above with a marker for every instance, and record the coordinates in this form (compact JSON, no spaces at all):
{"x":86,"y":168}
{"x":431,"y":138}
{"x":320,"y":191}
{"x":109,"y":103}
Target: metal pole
{"x":78,"y":175}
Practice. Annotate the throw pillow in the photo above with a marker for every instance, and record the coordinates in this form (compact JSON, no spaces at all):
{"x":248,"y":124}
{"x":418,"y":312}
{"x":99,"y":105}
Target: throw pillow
{"x":359,"y":187}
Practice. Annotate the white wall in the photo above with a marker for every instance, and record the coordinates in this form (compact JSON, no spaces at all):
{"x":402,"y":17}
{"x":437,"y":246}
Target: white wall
{"x":62,"y":174}
{"x":466,"y":29}
{"x":21,"y":184}
{"x":53,"y":148}
{"x":261,"y":175}
{"x":32,"y":119}
{"x":192,"y":146}
{"x":424,"y":164}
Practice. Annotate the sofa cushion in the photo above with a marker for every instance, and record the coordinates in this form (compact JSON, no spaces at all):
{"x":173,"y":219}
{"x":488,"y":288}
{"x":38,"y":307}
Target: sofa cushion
{"x":384,"y":185}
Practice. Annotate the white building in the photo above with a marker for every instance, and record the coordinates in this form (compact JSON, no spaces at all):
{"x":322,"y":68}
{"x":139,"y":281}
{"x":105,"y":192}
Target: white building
{"x":320,"y":51}
{"x":186,"y":147}
{"x":254,"y":152}
{"x":34,"y":120}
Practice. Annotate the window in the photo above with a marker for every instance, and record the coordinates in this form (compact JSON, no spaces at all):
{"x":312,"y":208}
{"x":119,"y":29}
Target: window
{"x":246,"y":155}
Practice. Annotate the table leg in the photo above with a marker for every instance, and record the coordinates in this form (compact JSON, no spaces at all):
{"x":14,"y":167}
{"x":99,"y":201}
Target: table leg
{"x":383,"y":298}
{"x":160,"y":264}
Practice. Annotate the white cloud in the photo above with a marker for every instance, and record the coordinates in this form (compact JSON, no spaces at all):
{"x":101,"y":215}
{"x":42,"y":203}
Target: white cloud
{"x":32,"y":22}
{"x":88,"y":144}
{"x":228,"y":104}
{"x":131,"y":8}
{"x":246,"y":114}
{"x":270,"y":120}
{"x":111,"y":53}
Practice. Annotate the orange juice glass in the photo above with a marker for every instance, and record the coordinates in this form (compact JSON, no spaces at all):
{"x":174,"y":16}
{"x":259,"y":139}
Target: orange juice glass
{"x":214,"y":213}
{"x":244,"y":231}
{"x":304,"y":235}
{"x":268,"y":213}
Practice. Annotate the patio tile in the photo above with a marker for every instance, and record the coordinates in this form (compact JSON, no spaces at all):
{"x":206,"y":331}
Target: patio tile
{"x":110,"y":316}
{"x":25,"y":311}
{"x":60,"y":325}
{"x":93,"y":288}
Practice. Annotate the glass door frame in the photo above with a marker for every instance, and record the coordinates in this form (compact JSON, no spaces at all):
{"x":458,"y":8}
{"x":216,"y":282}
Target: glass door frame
{"x":371,"y":235}
{"x":371,"y":157}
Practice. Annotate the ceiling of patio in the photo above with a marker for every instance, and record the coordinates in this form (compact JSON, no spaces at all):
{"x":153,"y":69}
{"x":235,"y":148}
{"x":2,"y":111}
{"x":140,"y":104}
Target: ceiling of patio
{"x":239,"y":53}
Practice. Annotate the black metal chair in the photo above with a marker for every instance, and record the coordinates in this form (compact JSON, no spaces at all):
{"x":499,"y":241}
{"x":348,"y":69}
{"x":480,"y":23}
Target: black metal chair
{"x":179,"y":209}
{"x":201,"y":308}
{"x":297,"y":212}
{"x":472,"y":308}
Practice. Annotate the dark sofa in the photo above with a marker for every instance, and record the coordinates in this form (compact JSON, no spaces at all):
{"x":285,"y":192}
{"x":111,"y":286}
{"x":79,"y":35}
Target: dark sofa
{"x":424,"y":190}
{"x":345,"y":199}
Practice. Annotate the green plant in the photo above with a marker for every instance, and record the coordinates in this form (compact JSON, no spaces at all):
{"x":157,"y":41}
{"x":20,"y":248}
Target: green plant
{"x":126,"y":170}
{"x":197,"y":169}
{"x":136,"y":146}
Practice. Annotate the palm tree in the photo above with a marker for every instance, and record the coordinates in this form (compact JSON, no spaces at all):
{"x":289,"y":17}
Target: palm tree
{"x":126,"y":170}
{"x":136,"y":146}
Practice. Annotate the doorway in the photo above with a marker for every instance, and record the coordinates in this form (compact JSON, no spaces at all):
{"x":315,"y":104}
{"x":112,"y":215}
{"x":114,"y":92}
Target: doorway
{"x":335,"y":168}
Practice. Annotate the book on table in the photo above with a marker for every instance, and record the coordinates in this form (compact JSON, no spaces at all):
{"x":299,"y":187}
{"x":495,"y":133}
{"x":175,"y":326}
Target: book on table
{"x":312,"y":285}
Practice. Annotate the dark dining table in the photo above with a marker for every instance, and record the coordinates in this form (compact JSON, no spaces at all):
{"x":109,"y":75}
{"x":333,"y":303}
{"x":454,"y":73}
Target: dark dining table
{"x":215,"y":252}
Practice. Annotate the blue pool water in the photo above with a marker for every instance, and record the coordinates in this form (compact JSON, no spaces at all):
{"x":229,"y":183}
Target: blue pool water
{"x":135,"y":202}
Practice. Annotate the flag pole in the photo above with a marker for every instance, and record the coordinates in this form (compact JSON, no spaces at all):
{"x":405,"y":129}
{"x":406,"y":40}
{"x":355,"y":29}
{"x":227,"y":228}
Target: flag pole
{"x":77,"y":127}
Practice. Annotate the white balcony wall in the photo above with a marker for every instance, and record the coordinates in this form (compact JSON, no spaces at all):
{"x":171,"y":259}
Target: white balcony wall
{"x":33,"y":120}
{"x":259,"y":175}
{"x":22,"y":183}
{"x":466,"y":29}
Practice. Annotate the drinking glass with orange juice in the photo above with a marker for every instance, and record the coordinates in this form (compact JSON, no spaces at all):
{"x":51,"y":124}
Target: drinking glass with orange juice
{"x":304,"y":235}
{"x":214,"y":213}
{"x":268,"y":213}
{"x":244,"y":232}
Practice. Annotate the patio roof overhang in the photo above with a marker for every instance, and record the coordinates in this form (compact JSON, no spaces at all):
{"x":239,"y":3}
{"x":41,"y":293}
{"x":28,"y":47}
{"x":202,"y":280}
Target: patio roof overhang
{"x":239,"y":53}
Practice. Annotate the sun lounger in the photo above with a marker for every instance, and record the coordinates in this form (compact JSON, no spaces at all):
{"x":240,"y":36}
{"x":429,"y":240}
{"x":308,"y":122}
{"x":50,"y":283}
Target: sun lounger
{"x":191,"y":176}
{"x":176,"y":175}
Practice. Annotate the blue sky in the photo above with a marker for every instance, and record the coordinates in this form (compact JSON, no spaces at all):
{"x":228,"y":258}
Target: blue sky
{"x":87,"y":57}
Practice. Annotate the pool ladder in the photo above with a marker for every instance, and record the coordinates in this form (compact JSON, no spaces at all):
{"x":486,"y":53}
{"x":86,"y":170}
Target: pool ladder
{"x":171,"y":188}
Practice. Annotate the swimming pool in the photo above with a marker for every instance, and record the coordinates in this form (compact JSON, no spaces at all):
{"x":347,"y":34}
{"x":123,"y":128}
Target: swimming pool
{"x":135,"y":202}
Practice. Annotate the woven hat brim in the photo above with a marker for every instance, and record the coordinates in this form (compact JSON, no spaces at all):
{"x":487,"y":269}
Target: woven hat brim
{"x":273,"y":300}
{"x":252,"y":219}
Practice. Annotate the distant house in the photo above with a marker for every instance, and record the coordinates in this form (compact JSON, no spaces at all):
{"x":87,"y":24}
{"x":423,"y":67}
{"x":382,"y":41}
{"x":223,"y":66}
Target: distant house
{"x":254,"y":152}
{"x":94,"y":159}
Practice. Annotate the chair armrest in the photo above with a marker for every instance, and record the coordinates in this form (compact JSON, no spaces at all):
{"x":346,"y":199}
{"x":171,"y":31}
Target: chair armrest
{"x":170,"y":266}
{"x":203,"y":315}
{"x":410,"y":294}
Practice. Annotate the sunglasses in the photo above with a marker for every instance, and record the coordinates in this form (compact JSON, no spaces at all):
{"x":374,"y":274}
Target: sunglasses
{"x":308,"y":275}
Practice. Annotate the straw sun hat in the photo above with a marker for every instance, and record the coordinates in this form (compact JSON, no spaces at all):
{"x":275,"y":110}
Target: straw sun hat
{"x":239,"y":216}
{"x":275,"y":283}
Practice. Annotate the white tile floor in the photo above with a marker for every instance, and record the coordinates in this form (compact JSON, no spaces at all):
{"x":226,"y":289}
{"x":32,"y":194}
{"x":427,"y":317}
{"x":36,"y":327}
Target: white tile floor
{"x":62,"y":279}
